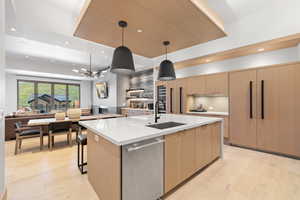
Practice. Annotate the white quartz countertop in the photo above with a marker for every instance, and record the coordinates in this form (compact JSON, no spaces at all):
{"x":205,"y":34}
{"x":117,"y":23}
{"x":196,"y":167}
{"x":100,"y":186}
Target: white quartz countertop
{"x":210,"y":113}
{"x":127,"y":130}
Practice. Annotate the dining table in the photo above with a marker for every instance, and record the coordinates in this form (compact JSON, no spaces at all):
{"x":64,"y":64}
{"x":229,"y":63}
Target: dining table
{"x":47,"y":121}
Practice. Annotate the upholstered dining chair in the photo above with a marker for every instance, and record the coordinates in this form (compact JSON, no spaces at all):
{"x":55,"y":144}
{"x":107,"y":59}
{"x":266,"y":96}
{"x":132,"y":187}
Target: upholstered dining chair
{"x":60,"y":128}
{"x":25,"y":132}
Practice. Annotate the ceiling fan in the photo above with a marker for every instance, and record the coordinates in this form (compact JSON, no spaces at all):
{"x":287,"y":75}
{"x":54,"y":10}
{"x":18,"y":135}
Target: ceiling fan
{"x":88,"y":72}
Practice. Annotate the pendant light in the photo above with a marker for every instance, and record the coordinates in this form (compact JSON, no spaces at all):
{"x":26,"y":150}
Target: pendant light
{"x":166,"y":68}
{"x":122,"y":62}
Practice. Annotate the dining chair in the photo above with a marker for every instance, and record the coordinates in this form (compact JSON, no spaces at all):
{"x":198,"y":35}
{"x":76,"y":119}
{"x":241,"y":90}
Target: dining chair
{"x":26,"y":132}
{"x":60,"y":128}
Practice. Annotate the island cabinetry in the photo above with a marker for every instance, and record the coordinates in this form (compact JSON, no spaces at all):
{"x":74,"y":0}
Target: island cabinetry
{"x":226,"y":121}
{"x":203,"y":146}
{"x":104,"y":167}
{"x":215,"y":140}
{"x":188,"y":151}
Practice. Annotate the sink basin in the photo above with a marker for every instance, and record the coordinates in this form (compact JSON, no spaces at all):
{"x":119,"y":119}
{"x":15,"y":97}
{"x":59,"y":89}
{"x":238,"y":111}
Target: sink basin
{"x":165,"y":125}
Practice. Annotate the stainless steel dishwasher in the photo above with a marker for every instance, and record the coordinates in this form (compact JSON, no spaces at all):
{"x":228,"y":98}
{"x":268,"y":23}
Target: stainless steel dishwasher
{"x":142,"y":170}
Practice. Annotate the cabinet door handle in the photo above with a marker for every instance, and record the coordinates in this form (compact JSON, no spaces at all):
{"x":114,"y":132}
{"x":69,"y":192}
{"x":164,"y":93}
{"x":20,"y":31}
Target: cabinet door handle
{"x":180,"y":100}
{"x":171,"y":100}
{"x":262,"y":99}
{"x":251,"y":99}
{"x":136,"y":147}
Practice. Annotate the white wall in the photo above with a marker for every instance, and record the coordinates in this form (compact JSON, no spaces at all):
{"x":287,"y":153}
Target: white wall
{"x":123,"y":82}
{"x":111,"y":101}
{"x":11,"y":90}
{"x":2,"y":99}
{"x":245,"y":62}
{"x":117,"y":85}
{"x":274,"y":21}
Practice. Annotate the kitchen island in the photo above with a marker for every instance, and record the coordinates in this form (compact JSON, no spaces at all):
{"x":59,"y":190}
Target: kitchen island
{"x":133,"y":158}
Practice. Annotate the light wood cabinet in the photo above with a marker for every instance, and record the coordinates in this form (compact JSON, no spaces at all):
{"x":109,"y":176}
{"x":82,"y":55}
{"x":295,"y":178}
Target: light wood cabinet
{"x":171,"y":101}
{"x":203,"y":146}
{"x":242,"y":124}
{"x":188,"y":151}
{"x":105,"y":177}
{"x":278,"y":109}
{"x":176,"y":96}
{"x":196,"y":85}
{"x":274,"y":123}
{"x":226,"y":122}
{"x":172,"y":161}
{"x":215,"y":140}
{"x":187,"y":154}
{"x":180,"y":96}
{"x":216,"y":84}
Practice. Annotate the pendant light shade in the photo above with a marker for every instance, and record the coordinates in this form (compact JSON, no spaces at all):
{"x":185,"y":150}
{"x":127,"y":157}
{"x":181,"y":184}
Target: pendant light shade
{"x":166,"y":68}
{"x":122,"y":62}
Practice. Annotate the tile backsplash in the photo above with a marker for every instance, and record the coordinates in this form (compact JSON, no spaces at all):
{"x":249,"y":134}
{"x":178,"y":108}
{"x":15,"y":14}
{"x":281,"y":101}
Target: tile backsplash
{"x":217,"y":104}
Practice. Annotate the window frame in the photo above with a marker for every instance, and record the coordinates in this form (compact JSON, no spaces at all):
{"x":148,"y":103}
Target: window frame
{"x":35,"y":85}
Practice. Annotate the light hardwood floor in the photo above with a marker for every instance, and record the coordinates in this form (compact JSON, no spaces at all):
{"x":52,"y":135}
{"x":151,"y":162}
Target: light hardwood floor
{"x":242,"y":175}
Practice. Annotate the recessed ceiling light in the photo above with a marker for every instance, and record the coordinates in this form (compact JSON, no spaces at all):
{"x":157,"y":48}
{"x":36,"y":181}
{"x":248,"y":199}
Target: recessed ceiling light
{"x":102,"y":51}
{"x":139,"y":30}
{"x":261,"y":49}
{"x":75,"y":70}
{"x":13,"y":29}
{"x":26,"y":56}
{"x":207,"y":60}
{"x":67,"y":43}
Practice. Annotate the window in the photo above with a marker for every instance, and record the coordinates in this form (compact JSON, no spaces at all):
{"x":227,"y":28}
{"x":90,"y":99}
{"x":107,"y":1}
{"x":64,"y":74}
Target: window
{"x":26,"y":94}
{"x":46,"y":97}
{"x":74,"y":96}
{"x":44,"y":100}
{"x":60,"y":97}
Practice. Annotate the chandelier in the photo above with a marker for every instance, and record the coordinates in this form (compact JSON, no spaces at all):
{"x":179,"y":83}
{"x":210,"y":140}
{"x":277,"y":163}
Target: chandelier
{"x":89,"y":73}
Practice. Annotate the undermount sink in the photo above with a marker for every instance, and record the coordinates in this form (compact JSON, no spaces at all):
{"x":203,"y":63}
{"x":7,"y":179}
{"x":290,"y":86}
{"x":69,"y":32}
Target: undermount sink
{"x":165,"y":125}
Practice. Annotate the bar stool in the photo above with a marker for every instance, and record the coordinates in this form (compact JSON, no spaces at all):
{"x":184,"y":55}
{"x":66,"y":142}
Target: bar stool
{"x":81,"y":142}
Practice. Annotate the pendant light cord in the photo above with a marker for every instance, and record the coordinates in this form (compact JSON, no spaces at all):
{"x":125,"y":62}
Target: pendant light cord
{"x":122,"y":36}
{"x":166,"y":53}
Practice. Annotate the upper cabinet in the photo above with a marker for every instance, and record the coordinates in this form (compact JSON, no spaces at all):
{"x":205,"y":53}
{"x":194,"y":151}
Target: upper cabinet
{"x":196,"y":85}
{"x":215,"y":84}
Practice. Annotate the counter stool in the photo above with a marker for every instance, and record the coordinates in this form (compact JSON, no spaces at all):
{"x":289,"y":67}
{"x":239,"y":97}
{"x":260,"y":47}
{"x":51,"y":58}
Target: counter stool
{"x":81,"y":141}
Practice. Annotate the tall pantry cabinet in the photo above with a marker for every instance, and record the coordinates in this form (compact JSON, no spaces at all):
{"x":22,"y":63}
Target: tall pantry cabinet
{"x":176,"y":96}
{"x":243,"y":108}
{"x":264,"y":109}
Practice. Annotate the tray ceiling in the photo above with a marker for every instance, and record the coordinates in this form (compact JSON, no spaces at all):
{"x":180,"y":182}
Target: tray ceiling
{"x":183,"y":22}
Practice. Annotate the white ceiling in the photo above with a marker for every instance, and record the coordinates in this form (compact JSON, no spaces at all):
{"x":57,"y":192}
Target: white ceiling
{"x":44,"y":35}
{"x":44,"y":31}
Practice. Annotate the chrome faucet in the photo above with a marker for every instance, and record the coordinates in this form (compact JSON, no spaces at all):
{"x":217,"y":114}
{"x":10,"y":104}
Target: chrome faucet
{"x":156,"y":117}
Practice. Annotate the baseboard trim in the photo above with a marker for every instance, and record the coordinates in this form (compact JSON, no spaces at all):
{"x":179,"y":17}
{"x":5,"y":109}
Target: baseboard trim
{"x":264,"y":151}
{"x":4,"y":195}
